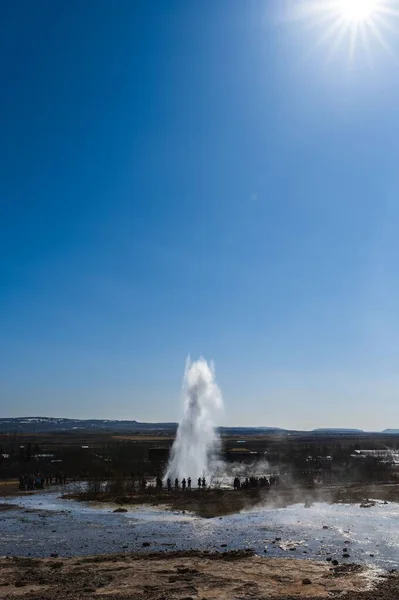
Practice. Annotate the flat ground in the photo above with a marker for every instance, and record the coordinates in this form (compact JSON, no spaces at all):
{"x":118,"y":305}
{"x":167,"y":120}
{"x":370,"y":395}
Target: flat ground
{"x":9,"y":488}
{"x":181,"y":576}
{"x":218,"y":502}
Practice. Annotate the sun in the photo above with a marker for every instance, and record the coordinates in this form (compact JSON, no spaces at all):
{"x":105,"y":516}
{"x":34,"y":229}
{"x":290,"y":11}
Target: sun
{"x":359,"y":25}
{"x":357,"y":11}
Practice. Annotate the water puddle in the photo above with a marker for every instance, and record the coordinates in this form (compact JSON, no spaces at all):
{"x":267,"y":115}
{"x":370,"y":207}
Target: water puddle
{"x":45,"y":523}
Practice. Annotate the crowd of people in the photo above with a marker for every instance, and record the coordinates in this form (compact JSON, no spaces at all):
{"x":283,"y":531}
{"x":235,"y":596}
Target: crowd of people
{"x":183,"y":484}
{"x":254,"y":482}
{"x":186,"y":484}
{"x":31,"y":481}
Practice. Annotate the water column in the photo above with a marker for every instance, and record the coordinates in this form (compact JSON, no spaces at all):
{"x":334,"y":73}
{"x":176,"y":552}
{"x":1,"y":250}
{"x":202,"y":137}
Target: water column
{"x":197,"y":442}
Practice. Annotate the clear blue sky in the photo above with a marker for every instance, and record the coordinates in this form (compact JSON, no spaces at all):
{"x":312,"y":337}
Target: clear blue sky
{"x":202,"y":177}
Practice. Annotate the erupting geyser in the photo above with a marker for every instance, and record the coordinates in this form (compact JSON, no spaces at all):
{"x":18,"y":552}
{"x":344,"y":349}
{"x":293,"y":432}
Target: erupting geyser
{"x":197,"y":443}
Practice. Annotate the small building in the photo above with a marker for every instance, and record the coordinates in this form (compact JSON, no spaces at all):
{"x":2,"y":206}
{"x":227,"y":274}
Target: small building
{"x":385,"y":455}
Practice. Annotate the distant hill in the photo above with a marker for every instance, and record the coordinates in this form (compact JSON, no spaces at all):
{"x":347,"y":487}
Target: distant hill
{"x":251,"y":430}
{"x":49,"y":424}
{"x":337,"y":430}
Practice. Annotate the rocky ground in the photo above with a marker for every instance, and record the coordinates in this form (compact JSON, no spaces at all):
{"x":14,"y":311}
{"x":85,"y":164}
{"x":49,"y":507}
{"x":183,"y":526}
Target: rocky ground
{"x":211,"y":503}
{"x":187,"y":575}
{"x":207,"y":503}
{"x":199,"y":575}
{"x":9,"y":488}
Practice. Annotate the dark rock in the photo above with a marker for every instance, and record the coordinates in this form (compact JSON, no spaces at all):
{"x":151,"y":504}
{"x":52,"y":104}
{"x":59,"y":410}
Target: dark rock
{"x":328,"y":559}
{"x":345,"y":555}
{"x":54,"y":555}
{"x":119,"y":510}
{"x":146,"y":544}
{"x":334,"y":562}
{"x":345,"y":550}
{"x":325,"y":527}
{"x":185,"y":570}
{"x":307,"y":581}
{"x":223,"y":545}
{"x":372,"y":555}
{"x":367,"y":504}
{"x":277,"y":539}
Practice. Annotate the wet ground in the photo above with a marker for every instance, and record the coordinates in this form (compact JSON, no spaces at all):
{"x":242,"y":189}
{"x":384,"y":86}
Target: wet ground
{"x":41,"y":524}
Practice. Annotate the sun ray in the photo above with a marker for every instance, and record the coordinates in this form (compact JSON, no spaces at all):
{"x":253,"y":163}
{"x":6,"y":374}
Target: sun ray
{"x":343,"y":30}
{"x":353,"y":41}
{"x":388,"y":10}
{"x":336,"y":25}
{"x":366,"y":44}
{"x":377,"y":34}
{"x":386,"y":24}
{"x":333,"y":28}
{"x":363,"y":23}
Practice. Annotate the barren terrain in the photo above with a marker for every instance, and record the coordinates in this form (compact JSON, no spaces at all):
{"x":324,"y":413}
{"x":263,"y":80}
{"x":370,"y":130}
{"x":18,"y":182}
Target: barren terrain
{"x":218,"y":502}
{"x":199,"y":575}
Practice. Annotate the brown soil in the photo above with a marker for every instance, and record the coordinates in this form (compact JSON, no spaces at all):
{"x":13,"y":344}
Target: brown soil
{"x":204,"y":503}
{"x":9,"y":488}
{"x":185,"y":575}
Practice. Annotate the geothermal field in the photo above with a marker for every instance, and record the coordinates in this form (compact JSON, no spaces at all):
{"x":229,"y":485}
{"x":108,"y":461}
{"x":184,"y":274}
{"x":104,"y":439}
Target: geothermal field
{"x":200,"y":512}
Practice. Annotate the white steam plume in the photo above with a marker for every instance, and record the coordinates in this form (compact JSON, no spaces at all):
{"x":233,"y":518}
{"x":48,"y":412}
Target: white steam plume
{"x":197,"y":442}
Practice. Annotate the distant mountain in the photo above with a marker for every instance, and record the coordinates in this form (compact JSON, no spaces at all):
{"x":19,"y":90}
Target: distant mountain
{"x":251,"y":430}
{"x":49,"y":424}
{"x":337,"y":430}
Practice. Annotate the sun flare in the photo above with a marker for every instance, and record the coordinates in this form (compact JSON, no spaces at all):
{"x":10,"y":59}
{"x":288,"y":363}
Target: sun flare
{"x":359,"y":25}
{"x":358,"y":10}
